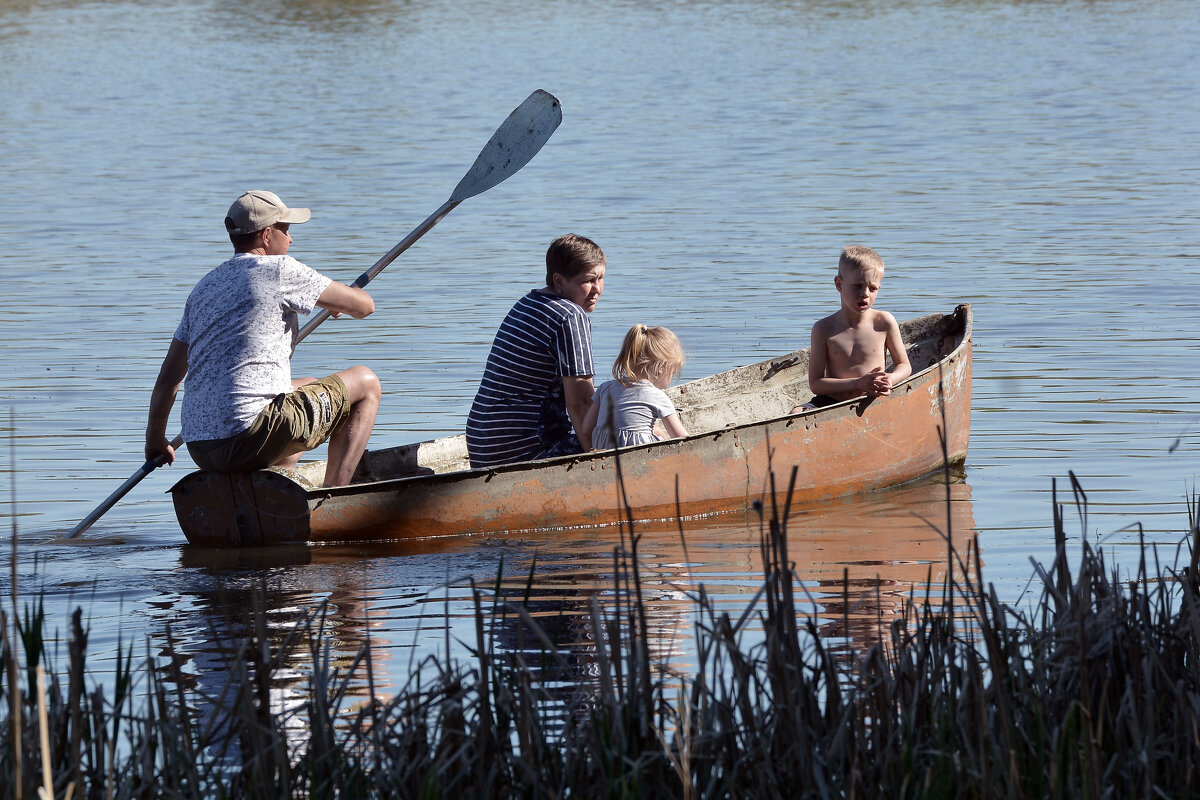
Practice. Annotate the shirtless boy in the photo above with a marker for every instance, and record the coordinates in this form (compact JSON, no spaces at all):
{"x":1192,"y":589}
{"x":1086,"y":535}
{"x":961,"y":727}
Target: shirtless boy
{"x":847,"y":355}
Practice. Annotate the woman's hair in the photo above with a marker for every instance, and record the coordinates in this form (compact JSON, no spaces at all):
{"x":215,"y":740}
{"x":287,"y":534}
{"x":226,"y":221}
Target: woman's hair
{"x":571,"y":254}
{"x":646,"y":350}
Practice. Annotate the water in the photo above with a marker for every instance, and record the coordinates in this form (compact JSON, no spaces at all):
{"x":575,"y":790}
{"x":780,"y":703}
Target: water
{"x":1035,"y":159}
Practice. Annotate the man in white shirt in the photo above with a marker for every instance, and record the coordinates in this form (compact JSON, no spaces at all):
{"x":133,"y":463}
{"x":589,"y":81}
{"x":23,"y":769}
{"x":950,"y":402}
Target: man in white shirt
{"x":242,"y":410}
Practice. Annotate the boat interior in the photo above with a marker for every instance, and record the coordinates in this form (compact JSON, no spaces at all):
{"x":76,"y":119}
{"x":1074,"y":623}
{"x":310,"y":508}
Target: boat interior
{"x":741,"y":396}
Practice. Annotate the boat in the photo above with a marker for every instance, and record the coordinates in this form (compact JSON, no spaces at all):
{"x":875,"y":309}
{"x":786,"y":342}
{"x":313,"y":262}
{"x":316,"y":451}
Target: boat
{"x":744,"y":442}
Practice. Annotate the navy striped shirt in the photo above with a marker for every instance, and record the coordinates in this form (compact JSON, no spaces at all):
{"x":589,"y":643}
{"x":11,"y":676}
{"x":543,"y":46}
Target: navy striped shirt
{"x":519,"y":413}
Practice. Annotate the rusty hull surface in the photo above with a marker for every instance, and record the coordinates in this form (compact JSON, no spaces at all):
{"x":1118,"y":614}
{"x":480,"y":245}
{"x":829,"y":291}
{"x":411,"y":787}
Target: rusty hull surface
{"x":850,"y":447}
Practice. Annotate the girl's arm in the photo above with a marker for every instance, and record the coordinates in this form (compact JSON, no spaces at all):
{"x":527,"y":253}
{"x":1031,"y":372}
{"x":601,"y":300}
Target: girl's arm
{"x":674,"y":426}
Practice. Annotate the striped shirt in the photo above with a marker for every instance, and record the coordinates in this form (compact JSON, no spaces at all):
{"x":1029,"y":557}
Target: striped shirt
{"x":519,"y":413}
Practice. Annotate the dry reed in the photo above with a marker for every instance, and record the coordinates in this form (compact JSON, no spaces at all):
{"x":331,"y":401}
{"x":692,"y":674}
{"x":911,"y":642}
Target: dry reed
{"x":1093,"y":691}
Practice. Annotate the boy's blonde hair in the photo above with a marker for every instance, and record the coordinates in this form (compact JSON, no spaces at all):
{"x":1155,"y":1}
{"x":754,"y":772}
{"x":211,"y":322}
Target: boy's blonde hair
{"x":860,"y":257}
{"x":646,"y":350}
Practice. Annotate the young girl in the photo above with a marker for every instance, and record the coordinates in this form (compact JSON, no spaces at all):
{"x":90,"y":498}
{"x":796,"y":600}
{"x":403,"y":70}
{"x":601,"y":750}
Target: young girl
{"x":625,"y":411}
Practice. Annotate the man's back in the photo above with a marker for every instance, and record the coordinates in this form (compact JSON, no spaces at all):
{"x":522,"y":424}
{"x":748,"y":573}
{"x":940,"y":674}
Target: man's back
{"x":239,"y":324}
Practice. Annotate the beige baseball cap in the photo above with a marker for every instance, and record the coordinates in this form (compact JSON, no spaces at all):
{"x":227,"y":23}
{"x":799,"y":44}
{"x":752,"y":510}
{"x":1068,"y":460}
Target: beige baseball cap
{"x":259,"y":209}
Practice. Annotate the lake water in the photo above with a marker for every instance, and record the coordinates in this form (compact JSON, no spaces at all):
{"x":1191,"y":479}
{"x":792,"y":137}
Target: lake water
{"x":1037,"y":159}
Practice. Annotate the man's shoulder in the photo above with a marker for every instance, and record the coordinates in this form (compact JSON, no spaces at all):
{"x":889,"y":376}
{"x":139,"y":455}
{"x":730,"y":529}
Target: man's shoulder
{"x":231,"y":276}
{"x":218,"y":277}
{"x":252,"y":260}
{"x":282,"y":263}
{"x":240,"y":262}
{"x":555,"y":307}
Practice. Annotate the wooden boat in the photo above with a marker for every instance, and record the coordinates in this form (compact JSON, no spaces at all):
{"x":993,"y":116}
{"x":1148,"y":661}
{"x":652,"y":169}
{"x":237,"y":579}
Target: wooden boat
{"x":743,"y":433}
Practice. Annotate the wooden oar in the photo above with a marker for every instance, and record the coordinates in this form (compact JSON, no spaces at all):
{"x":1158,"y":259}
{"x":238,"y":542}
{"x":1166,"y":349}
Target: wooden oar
{"x":515,"y":142}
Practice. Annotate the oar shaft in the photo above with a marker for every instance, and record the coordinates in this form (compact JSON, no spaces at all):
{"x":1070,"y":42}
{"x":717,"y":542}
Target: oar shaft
{"x":122,"y":490}
{"x":379,"y":265}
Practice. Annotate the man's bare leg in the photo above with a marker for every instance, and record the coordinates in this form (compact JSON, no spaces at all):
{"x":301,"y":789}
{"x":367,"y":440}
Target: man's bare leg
{"x":289,"y":461}
{"x":347,"y":445}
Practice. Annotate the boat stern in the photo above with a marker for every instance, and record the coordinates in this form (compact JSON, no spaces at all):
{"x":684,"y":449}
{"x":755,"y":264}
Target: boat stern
{"x":241,"y":509}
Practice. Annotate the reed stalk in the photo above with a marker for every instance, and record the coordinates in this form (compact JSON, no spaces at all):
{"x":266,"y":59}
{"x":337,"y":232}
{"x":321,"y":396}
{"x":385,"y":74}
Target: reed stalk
{"x":1092,"y":691}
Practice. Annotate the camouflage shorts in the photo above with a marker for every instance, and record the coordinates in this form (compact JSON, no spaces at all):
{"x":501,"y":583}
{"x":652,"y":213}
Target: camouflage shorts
{"x":291,"y":423}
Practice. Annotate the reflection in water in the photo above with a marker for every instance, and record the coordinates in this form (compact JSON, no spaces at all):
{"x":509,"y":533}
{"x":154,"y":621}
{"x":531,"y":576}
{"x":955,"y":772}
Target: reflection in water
{"x":857,"y":561}
{"x":868,"y":560}
{"x":247,"y":596}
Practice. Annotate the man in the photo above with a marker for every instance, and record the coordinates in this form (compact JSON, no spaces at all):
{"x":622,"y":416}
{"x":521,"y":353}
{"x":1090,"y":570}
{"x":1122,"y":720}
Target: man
{"x":242,"y":410}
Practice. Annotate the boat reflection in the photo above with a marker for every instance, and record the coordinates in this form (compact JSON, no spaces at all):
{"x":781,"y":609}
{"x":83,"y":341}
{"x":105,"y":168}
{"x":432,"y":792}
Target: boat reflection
{"x":862,"y":562}
{"x":240,"y":601}
{"x":857,"y":561}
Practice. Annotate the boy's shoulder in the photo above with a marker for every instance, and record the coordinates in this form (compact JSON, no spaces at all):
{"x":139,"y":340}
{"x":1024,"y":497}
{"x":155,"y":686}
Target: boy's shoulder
{"x":882,"y":317}
{"x":830,"y":324}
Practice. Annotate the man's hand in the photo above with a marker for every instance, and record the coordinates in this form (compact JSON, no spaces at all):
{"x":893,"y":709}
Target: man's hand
{"x":160,"y":450}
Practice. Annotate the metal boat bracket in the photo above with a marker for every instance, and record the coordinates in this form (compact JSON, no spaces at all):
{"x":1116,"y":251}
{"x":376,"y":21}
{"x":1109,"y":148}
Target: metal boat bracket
{"x":779,"y":366}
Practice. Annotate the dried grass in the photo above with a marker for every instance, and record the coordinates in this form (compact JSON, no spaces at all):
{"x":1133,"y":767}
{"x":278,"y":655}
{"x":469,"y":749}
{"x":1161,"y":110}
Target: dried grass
{"x":1093,"y":691}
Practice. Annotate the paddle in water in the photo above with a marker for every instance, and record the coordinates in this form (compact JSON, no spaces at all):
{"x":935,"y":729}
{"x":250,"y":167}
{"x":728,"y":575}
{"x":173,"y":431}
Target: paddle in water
{"x":515,"y":142}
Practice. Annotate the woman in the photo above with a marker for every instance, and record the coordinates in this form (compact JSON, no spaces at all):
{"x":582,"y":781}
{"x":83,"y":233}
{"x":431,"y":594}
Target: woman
{"x":537,"y":386}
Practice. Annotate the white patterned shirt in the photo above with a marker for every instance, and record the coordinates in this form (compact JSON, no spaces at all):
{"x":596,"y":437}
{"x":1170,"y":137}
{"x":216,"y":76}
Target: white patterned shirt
{"x":240,"y":326}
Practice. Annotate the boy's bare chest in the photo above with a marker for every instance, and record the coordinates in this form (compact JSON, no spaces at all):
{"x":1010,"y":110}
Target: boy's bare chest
{"x":853,"y":348}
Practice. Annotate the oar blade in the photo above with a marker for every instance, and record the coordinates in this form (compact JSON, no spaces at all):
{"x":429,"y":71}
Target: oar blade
{"x":515,"y":142}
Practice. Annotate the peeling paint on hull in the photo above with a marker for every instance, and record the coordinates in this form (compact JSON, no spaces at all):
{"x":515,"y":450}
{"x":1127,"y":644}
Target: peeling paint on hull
{"x":425,"y":490}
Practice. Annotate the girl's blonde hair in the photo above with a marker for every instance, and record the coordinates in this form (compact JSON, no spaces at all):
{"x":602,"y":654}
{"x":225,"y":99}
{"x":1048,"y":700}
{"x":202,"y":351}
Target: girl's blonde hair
{"x":645,"y":351}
